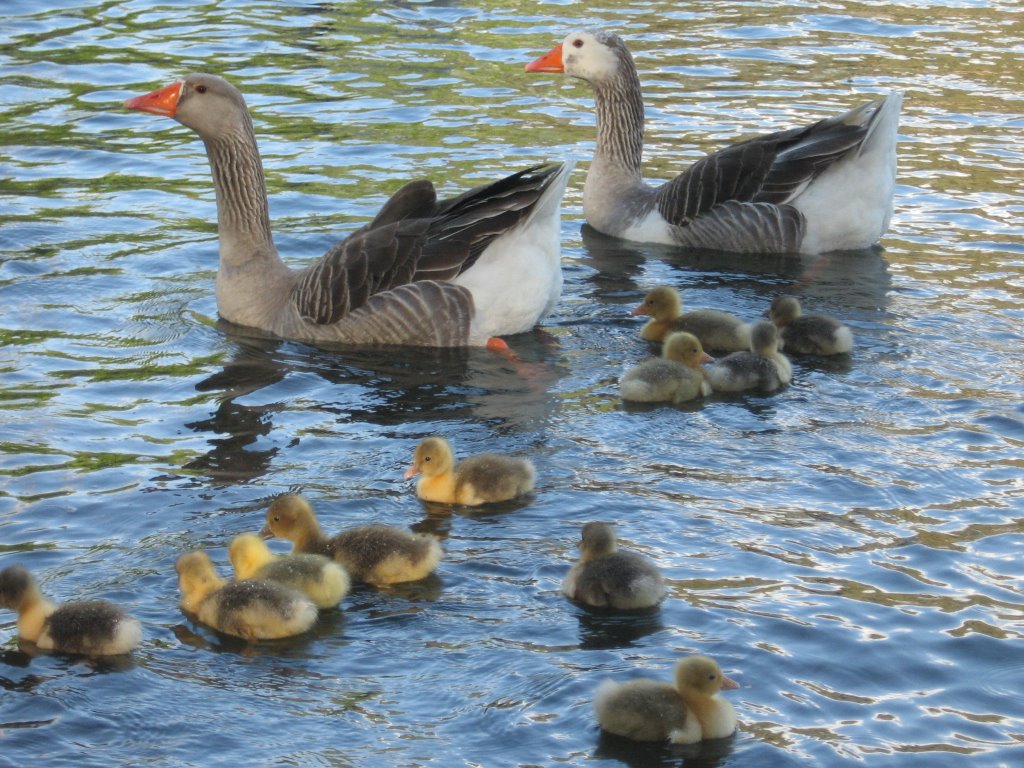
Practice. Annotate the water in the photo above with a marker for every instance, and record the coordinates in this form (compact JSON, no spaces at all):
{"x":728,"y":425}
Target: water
{"x":849,"y":549}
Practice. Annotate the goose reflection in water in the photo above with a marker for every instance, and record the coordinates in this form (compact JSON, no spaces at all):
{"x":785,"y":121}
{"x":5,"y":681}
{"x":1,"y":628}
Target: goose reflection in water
{"x":383,"y":386}
{"x":858,"y":282}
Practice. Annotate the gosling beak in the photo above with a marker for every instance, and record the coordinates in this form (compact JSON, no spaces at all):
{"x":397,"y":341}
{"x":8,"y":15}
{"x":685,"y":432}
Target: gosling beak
{"x":706,"y":358}
{"x":266,"y":533}
{"x":640,"y":309}
{"x":412,"y":471}
{"x":163,"y":101}
{"x":549,"y":62}
{"x":728,"y":684}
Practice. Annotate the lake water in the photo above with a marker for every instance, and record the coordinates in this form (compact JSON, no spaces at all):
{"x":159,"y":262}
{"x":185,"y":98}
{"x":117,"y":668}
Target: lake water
{"x":849,"y":549}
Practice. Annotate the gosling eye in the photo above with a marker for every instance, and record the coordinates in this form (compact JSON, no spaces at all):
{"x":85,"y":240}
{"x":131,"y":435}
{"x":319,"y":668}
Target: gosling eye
{"x":277,"y":519}
{"x":426,"y":458}
{"x":577,"y":43}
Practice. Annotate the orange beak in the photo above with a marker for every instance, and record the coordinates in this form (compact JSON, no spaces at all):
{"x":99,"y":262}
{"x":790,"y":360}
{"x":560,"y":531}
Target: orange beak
{"x":640,"y":310}
{"x":412,"y":471}
{"x":163,"y":101}
{"x":549,"y":62}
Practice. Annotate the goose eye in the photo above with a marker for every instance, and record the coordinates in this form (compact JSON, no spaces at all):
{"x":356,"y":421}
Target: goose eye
{"x":577,"y":43}
{"x":200,"y":89}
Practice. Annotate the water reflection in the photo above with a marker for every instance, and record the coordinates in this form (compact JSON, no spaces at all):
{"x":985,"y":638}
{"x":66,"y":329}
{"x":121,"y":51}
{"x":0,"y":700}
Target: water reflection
{"x":706,"y":754}
{"x":858,"y":280}
{"x":601,"y":630}
{"x":389,"y":388}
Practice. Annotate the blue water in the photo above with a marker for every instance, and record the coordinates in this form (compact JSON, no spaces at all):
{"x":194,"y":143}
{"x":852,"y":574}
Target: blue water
{"x":848,"y":549}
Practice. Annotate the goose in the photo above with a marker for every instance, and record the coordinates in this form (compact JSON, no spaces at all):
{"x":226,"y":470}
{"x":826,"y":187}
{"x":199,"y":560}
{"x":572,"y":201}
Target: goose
{"x":482,"y":479}
{"x":689,"y":711}
{"x":760,"y":367}
{"x":85,"y":627}
{"x":375,"y":554}
{"x":808,"y":334}
{"x":823,"y":187}
{"x":253,"y":609}
{"x":323,"y":581}
{"x":678,"y":375}
{"x":606,"y":577}
{"x":424,"y":272}
{"x":716,"y":330}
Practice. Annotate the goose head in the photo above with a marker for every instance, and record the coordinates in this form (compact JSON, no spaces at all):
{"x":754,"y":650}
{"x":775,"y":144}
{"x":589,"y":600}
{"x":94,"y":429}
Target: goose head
{"x":196,"y":578}
{"x":16,"y":585}
{"x":592,"y":55}
{"x":784,"y":310}
{"x":208,"y":104}
{"x":685,"y":348}
{"x":702,"y":676}
{"x":432,"y":457}
{"x":764,"y":338}
{"x":661,"y":303}
{"x":290,"y":517}
{"x":248,"y":553}
{"x":596,"y":540}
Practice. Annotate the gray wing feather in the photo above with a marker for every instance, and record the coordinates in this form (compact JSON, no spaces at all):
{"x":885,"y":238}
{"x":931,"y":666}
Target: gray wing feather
{"x":425,"y":313}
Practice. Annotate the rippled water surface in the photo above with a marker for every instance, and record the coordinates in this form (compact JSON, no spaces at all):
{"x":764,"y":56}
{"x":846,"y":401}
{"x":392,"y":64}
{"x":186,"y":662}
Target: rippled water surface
{"x":849,"y":549}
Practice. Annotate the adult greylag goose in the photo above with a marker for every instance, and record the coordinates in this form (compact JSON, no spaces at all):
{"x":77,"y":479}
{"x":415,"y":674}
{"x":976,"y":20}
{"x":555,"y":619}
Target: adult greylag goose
{"x":253,"y":609}
{"x":375,"y":554}
{"x":761,"y":367}
{"x":677,"y":376}
{"x":689,"y":711}
{"x":481,"y":479}
{"x":823,"y":187}
{"x":607,"y":577}
{"x":87,"y":627}
{"x":424,"y":272}
{"x":717,"y":330}
{"x":322,"y":580}
{"x":808,"y":334}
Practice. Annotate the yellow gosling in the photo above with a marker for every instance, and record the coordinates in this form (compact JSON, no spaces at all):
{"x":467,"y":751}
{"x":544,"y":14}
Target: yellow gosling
{"x":717,"y":330}
{"x":476,"y":480}
{"x":684,"y":713}
{"x":87,"y":627}
{"x":252,"y":609}
{"x":322,"y":580}
{"x":374,"y":554}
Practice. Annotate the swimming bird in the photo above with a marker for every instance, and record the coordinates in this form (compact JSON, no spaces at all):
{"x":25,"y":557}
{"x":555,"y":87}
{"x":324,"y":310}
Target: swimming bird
{"x":86,"y":627}
{"x":320,"y":579}
{"x":808,"y":334}
{"x":606,"y":577}
{"x":717,"y":330}
{"x":685,"y":713}
{"x":424,"y":272}
{"x":481,"y":479}
{"x":761,"y":367}
{"x":375,"y":554}
{"x":822,"y":187}
{"x":253,"y":609}
{"x":678,"y":375}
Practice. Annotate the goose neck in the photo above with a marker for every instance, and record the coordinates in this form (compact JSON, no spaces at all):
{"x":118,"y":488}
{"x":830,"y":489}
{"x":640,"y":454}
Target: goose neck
{"x":243,"y":216}
{"x":620,"y":123}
